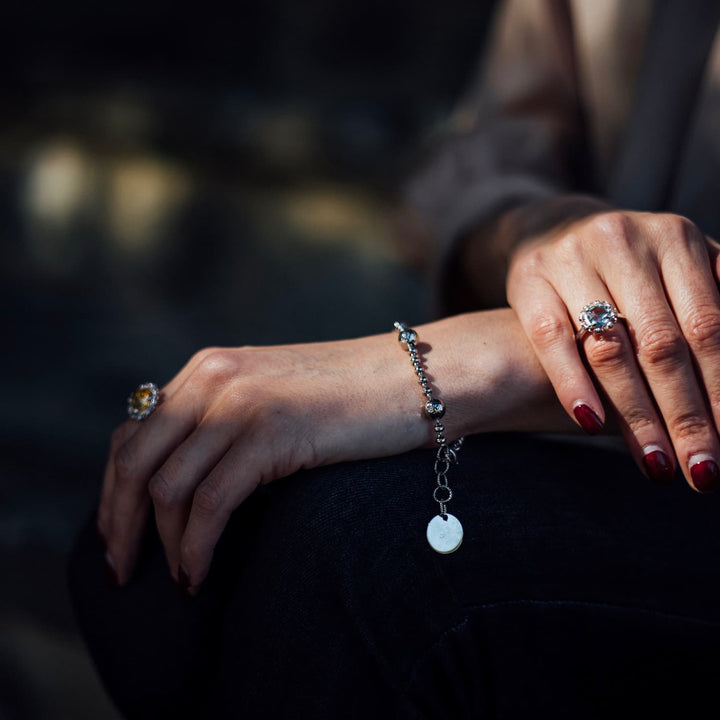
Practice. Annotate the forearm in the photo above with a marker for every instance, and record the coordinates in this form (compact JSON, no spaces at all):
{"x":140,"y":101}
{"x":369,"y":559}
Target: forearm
{"x":363,"y":399}
{"x":480,"y":364}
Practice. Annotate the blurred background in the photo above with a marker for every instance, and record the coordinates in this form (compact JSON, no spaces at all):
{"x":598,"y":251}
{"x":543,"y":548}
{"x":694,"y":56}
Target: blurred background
{"x":173,"y":179}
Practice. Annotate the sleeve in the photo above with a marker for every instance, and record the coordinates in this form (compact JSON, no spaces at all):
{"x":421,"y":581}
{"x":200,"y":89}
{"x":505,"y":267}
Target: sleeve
{"x":518,"y":139}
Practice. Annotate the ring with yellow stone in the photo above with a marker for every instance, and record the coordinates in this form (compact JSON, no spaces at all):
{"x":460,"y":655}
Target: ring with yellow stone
{"x":142,"y":401}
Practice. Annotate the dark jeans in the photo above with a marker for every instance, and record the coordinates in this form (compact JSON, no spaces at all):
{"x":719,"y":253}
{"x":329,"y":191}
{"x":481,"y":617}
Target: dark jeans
{"x":580,"y":591}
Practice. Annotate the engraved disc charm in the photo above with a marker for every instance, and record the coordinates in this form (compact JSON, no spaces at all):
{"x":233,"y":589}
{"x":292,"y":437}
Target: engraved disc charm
{"x":445,"y":534}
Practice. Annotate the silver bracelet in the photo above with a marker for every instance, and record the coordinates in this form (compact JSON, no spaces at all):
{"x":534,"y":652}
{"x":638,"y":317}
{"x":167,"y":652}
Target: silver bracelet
{"x":444,"y":531}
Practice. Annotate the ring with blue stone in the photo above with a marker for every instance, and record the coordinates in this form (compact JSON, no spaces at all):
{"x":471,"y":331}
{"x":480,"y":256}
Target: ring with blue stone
{"x":597,"y":317}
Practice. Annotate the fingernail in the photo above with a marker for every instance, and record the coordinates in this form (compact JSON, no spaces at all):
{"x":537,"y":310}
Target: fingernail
{"x":657,"y":465}
{"x":183,"y":582}
{"x":587,"y":418}
{"x":111,"y":571}
{"x":705,"y":473}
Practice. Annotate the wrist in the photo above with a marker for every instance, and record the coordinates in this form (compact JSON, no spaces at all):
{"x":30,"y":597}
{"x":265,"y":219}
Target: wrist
{"x":483,"y":368}
{"x":484,"y":256}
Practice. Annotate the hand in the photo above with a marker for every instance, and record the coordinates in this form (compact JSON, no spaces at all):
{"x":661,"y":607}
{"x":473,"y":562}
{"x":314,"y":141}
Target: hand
{"x":660,"y":371}
{"x":234,"y":418}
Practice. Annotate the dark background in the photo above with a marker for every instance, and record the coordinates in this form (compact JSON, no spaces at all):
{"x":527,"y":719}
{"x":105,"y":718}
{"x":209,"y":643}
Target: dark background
{"x":174,"y":178}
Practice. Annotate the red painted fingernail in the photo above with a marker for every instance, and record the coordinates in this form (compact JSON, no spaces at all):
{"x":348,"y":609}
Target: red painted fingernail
{"x":111,"y":571}
{"x":588,"y":419}
{"x":705,"y":475}
{"x":658,"y":466}
{"x":183,"y":582}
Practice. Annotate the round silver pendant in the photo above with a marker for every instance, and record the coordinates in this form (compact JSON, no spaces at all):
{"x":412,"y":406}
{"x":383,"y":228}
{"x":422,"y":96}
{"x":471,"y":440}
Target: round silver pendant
{"x":444,"y":534}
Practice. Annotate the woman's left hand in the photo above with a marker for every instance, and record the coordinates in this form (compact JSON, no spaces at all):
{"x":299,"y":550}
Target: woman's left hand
{"x":234,"y":418}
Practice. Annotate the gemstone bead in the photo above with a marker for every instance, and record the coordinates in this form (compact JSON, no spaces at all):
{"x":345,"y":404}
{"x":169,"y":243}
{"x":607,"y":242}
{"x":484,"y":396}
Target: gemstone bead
{"x":434,"y":409}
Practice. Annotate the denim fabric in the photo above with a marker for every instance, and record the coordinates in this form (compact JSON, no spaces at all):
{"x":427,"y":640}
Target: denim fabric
{"x":580,"y":591}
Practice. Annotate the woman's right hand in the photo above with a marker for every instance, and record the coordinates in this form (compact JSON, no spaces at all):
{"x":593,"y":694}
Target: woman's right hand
{"x":660,"y":369}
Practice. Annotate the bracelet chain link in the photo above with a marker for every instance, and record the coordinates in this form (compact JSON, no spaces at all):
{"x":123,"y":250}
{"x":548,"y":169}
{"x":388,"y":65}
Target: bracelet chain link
{"x":434,"y":410}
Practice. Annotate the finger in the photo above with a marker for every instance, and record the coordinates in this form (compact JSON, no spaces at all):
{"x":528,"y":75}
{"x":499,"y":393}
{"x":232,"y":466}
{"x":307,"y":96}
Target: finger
{"x":713,"y":248}
{"x":135,"y":461}
{"x":612,"y":359}
{"x":119,"y":437}
{"x":232,"y":480}
{"x":544,"y":317}
{"x":693,"y":294}
{"x":665,"y":361}
{"x":172,"y":487}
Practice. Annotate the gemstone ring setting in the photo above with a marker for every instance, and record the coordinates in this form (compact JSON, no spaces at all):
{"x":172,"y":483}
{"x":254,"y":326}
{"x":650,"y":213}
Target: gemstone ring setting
{"x":597,"y":317}
{"x":142,"y":401}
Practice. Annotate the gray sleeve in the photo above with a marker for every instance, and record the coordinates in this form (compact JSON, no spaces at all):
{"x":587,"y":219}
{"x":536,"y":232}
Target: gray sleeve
{"x":517,"y":138}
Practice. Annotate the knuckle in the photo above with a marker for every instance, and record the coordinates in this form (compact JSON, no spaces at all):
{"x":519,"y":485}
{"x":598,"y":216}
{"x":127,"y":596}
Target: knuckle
{"x":615,"y":227}
{"x":688,"y":426}
{"x":703,"y":329}
{"x":677,"y":229}
{"x":606,"y":353}
{"x":685,"y":228}
{"x":218,"y":365}
{"x":569,"y":247}
{"x":200,"y":355}
{"x":676,"y":225}
{"x":548,"y":331}
{"x":638,"y":419}
{"x":528,"y":262}
{"x":661,"y":345}
{"x":161,"y":490}
{"x":208,"y":500}
{"x":660,"y":224}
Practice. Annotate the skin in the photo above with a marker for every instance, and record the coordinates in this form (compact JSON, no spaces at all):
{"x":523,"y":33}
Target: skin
{"x":655,"y":375}
{"x":234,"y":418}
{"x":658,"y":371}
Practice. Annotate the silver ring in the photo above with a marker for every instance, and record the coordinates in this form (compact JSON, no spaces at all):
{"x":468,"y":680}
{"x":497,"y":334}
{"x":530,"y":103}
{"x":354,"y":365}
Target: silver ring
{"x":597,"y":317}
{"x":142,"y":401}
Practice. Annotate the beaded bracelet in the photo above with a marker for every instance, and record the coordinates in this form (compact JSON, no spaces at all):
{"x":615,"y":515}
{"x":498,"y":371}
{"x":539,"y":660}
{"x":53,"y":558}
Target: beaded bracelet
{"x":444,"y":531}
